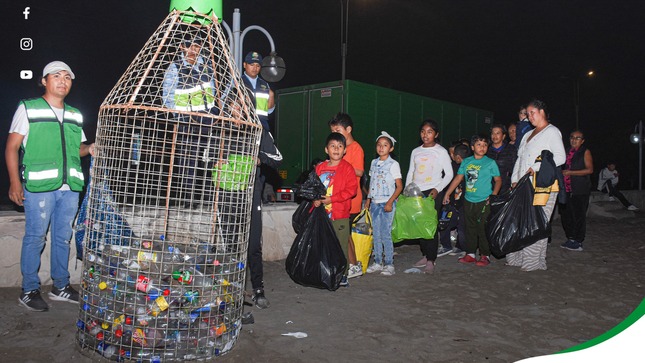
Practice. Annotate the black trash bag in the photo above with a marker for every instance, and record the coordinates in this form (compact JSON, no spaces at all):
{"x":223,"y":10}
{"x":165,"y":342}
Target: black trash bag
{"x":316,"y":258}
{"x":514,"y":222}
{"x":300,"y":216}
{"x":312,"y":188}
{"x":449,"y":217}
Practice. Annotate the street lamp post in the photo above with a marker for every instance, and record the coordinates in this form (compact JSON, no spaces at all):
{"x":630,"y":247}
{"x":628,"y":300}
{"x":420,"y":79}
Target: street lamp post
{"x":236,"y":42}
{"x":637,"y":138}
{"x":344,"y":22}
{"x":576,"y":96}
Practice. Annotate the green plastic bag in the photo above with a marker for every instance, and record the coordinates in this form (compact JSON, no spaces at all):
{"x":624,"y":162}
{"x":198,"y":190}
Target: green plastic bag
{"x":414,"y":217}
{"x":235,"y":174}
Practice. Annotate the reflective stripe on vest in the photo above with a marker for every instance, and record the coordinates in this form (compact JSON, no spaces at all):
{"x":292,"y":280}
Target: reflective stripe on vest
{"x":262,"y":103}
{"x":45,"y":114}
{"x":76,"y":173}
{"x":43,"y":174}
{"x":192,"y":99}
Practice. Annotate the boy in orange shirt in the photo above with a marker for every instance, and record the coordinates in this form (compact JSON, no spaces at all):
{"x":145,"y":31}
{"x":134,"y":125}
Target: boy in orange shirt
{"x":354,"y":155}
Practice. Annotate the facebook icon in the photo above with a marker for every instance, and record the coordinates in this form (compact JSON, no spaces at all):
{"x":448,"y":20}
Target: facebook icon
{"x":26,"y":12}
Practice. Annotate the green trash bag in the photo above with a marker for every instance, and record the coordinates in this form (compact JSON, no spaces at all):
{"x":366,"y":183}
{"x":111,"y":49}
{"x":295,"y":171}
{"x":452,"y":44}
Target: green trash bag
{"x":414,"y":217}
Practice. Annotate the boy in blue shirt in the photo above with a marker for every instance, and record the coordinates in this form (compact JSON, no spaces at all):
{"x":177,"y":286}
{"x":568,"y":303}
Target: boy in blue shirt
{"x":479,"y":171}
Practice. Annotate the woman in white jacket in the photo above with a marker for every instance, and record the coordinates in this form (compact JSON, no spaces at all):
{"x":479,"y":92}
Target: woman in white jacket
{"x":543,"y":137}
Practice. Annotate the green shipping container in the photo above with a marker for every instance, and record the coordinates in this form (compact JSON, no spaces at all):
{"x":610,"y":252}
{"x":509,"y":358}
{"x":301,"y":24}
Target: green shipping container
{"x":302,"y":114}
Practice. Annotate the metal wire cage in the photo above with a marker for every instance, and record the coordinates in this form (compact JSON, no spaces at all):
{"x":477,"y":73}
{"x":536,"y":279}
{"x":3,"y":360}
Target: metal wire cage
{"x":169,"y":203}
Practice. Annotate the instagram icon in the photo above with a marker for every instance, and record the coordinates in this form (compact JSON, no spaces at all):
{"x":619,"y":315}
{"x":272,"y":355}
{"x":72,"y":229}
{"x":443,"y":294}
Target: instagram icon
{"x":26,"y":43}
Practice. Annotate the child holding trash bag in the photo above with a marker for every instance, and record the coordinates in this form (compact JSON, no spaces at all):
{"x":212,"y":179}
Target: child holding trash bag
{"x":385,"y":187}
{"x":478,"y":171}
{"x":339,"y":178}
{"x":431,"y":171}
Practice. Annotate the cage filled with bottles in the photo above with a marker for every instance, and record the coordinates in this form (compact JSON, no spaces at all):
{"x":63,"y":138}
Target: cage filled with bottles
{"x":166,"y":220}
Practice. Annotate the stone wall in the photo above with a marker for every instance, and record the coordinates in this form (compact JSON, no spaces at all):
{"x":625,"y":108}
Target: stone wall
{"x":277,"y":232}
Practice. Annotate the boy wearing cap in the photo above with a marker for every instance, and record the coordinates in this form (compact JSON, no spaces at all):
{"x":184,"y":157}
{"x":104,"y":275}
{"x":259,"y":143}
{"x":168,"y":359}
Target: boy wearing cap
{"x":385,"y":186}
{"x":48,"y":133}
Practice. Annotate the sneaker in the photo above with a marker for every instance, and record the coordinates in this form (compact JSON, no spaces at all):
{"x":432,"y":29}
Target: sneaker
{"x":442,"y":251}
{"x":260,"y":300}
{"x":67,"y":294}
{"x":388,"y":270}
{"x":247,"y":318}
{"x":572,"y":245}
{"x":354,"y":271}
{"x":429,"y":268}
{"x":421,"y":263}
{"x":483,"y":261}
{"x":612,"y":199}
{"x":632,"y":208}
{"x":374,"y":267}
{"x":33,"y":301}
{"x":467,"y":259}
{"x":457,"y":252}
{"x":344,"y":282}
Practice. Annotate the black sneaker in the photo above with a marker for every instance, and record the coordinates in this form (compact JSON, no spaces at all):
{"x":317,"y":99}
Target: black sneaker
{"x":67,"y":294}
{"x":260,"y":300}
{"x":343,"y":281}
{"x":33,"y":301}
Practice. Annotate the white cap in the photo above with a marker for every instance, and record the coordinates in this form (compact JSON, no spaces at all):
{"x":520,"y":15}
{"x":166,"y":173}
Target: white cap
{"x":385,"y":134}
{"x":57,"y":66}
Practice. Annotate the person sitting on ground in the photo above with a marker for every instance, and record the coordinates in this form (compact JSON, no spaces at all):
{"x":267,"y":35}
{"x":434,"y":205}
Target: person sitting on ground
{"x":608,"y":183}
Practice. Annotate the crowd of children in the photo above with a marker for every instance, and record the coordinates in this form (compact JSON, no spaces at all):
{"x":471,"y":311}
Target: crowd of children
{"x":460,"y":180}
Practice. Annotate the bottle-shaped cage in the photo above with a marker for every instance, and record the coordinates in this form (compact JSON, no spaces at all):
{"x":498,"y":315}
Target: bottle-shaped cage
{"x":169,"y":202}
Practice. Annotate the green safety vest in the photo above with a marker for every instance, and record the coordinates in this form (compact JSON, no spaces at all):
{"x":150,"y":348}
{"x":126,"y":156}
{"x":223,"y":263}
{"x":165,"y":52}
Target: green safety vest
{"x":51,"y":155}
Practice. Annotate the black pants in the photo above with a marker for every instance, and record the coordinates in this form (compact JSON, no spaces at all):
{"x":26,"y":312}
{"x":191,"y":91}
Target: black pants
{"x":255,"y":239}
{"x":444,"y":236}
{"x":232,"y":219}
{"x":574,"y":216}
{"x":614,"y":192}
{"x":429,"y":246}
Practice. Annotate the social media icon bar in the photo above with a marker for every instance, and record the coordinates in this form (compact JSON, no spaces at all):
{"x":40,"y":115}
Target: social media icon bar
{"x":26,"y":43}
{"x":26,"y":74}
{"x":26,"y":12}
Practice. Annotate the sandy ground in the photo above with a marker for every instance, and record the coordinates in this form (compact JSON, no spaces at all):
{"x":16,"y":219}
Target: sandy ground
{"x":459,"y":314}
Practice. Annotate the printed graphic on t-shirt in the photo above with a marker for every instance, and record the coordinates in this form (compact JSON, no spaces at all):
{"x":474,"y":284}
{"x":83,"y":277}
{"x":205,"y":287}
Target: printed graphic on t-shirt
{"x":424,"y":167}
{"x":327,"y":178}
{"x":472,"y":174}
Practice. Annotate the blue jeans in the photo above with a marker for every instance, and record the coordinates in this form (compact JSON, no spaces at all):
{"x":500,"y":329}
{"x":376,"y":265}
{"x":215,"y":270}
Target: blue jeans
{"x":382,"y":229}
{"x":59,"y":208}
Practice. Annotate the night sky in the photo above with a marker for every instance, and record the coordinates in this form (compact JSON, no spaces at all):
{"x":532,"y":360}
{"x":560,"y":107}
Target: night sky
{"x":491,"y":54}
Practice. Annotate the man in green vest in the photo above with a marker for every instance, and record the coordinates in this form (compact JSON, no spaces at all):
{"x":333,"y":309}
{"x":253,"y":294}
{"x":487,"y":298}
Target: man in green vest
{"x":43,"y":157}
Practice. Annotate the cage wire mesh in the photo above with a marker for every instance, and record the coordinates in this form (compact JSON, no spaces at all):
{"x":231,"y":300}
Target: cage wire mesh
{"x":169,"y":204}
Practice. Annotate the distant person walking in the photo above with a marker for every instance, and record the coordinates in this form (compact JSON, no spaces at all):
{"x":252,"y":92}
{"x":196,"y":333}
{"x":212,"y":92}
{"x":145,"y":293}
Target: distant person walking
{"x":577,"y":183}
{"x":47,"y":181}
{"x":543,"y":137}
{"x":608,"y":183}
